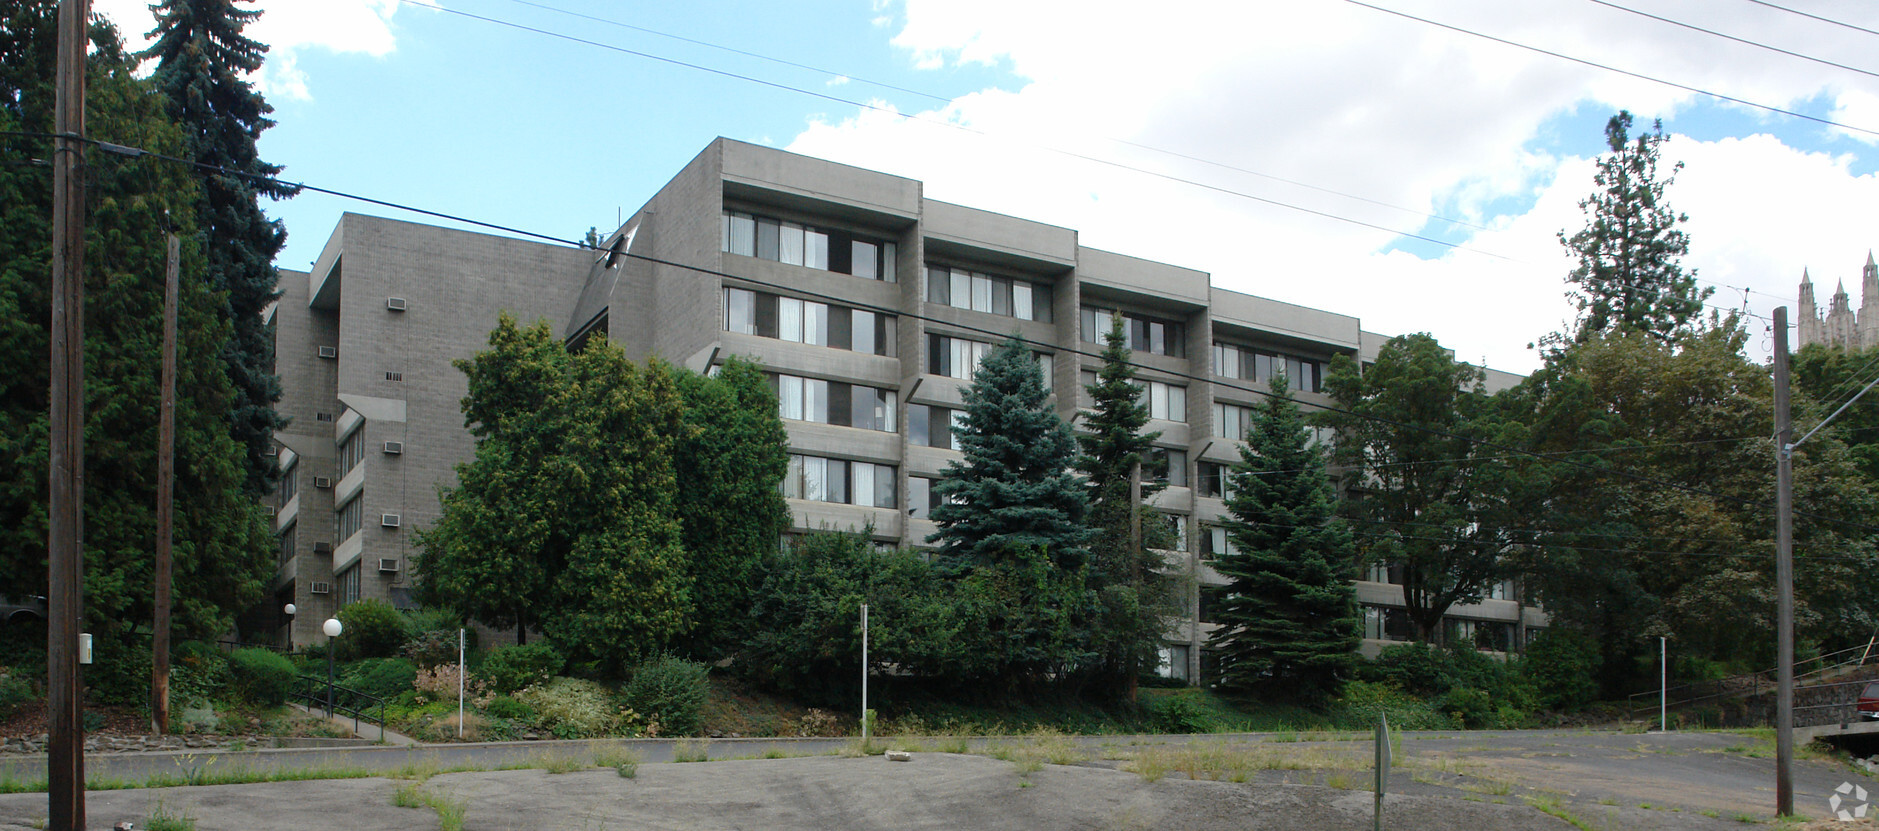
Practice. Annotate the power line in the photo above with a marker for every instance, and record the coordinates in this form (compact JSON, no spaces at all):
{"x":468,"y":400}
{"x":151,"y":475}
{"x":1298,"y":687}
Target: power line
{"x":1814,"y":17}
{"x":135,"y":152}
{"x":1568,"y":546}
{"x":1744,"y":41}
{"x":915,"y":117}
{"x":1608,"y":68}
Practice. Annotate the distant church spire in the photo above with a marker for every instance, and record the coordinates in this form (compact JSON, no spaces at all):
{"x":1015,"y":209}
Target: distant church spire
{"x":1841,"y":326}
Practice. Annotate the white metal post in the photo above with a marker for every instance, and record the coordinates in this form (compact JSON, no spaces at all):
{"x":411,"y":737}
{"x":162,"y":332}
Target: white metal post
{"x":1663,"y":686}
{"x":864,"y":673}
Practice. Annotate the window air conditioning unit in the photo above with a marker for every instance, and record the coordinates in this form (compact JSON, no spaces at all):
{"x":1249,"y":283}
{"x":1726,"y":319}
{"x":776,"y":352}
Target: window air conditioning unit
{"x":329,"y":351}
{"x":323,"y":417}
{"x":394,"y":447}
{"x":388,"y":565}
{"x":322,"y":548}
{"x":271,"y":510}
{"x":322,"y":482}
{"x":388,"y":520}
{"x":320,"y":587}
{"x":394,"y":304}
{"x":394,"y":376}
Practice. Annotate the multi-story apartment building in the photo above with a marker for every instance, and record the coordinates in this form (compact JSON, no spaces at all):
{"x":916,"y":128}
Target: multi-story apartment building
{"x":870,"y":305}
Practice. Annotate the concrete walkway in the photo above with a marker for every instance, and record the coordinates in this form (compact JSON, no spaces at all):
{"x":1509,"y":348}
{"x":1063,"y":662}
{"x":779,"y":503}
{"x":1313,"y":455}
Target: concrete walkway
{"x":364,"y":729}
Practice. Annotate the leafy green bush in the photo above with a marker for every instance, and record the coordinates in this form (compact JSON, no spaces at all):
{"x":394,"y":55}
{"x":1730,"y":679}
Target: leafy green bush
{"x":15,"y":692}
{"x":572,"y":708}
{"x":1433,"y":671}
{"x":1182,"y":712}
{"x":433,"y":637}
{"x":262,"y":675}
{"x":199,"y":674}
{"x":381,"y":677}
{"x":670,"y":691}
{"x":503,"y":706}
{"x":373,"y":629}
{"x":120,"y":671}
{"x":1468,"y":706}
{"x":511,"y":668}
{"x":1362,"y":701}
{"x":1561,"y":666}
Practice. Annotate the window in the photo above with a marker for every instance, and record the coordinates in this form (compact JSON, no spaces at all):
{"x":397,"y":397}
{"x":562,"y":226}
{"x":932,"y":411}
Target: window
{"x":351,"y":517}
{"x":288,"y":482}
{"x":954,"y":357}
{"x":837,"y":480}
{"x":803,"y":321}
{"x":1165,"y":401}
{"x":1231,"y":421}
{"x":349,"y":584}
{"x":1177,"y":528}
{"x":1005,"y":296}
{"x":921,"y":500}
{"x":1172,"y":662}
{"x":352,"y":451}
{"x":1385,"y":623}
{"x":1146,"y":334}
{"x":930,"y":426}
{"x":1215,"y":480}
{"x":1169,"y":465}
{"x":834,"y":402}
{"x":825,"y":249}
{"x":1232,"y":361}
{"x":287,"y":545}
{"x":1214,"y":543}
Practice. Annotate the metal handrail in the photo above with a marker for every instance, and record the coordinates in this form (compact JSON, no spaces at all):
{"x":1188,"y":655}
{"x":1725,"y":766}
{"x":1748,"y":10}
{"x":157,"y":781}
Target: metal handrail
{"x":313,"y":689}
{"x":1753,"y":681}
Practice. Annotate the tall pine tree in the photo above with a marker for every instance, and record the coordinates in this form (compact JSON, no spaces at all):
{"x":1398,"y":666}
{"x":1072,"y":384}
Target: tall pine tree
{"x":222,"y":551}
{"x":1629,"y":274}
{"x":202,"y":60}
{"x":1132,"y":593}
{"x":1015,"y":488}
{"x":1288,"y":616}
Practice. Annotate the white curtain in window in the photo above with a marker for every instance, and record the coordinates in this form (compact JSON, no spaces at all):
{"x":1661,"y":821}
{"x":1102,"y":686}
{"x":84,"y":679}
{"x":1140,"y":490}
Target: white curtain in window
{"x":789,"y":319}
{"x":790,"y":244}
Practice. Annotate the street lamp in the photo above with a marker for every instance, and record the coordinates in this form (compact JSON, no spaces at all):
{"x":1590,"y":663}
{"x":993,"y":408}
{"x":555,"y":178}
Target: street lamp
{"x":332,"y":627}
{"x":288,"y":612}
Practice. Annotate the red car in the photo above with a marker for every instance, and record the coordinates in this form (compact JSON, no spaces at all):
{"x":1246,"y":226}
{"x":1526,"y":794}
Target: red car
{"x":1868,"y":705}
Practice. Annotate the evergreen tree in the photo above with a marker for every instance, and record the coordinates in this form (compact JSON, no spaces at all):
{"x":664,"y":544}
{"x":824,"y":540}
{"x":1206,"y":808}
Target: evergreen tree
{"x":1132,"y":593}
{"x":202,"y":60}
{"x":566,"y":519}
{"x":1015,"y":488}
{"x":1628,"y":273}
{"x":222,"y":547}
{"x":1288,"y":614}
{"x":731,"y":470}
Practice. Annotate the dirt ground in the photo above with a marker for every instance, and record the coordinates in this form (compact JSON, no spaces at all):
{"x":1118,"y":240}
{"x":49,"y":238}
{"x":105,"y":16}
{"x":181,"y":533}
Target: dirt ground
{"x":933,"y":791}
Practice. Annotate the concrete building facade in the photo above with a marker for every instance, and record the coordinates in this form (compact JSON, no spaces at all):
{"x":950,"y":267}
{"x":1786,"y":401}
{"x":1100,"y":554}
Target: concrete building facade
{"x":868,"y":302}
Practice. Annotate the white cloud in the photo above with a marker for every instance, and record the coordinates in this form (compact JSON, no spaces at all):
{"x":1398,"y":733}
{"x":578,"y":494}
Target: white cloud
{"x":1393,"y":110}
{"x":289,"y":28}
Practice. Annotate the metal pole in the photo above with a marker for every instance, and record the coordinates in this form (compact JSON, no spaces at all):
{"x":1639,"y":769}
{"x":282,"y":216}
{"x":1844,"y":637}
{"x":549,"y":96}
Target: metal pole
{"x":65,"y":758}
{"x":329,"y":676}
{"x":166,"y":496}
{"x":1663,"y":685}
{"x":1135,"y":557}
{"x":864,"y":673}
{"x":1784,"y":576}
{"x":462,"y":670}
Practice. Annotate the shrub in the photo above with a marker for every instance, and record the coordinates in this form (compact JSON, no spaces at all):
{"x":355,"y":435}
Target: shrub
{"x":670,"y":691}
{"x":503,"y":706}
{"x":373,"y":629}
{"x":1561,"y":666}
{"x":511,"y":668}
{"x":440,"y":683}
{"x":15,"y":692}
{"x":1182,"y":712}
{"x":120,"y":672}
{"x":199,"y":673}
{"x":381,"y":677}
{"x":572,"y":708}
{"x":433,"y":637}
{"x":262,"y":675}
{"x":1362,"y":701}
{"x":1468,"y":706}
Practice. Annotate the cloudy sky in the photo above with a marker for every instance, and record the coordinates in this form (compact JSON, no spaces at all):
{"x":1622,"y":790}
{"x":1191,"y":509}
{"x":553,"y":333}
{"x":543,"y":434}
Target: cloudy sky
{"x":1289,"y":147}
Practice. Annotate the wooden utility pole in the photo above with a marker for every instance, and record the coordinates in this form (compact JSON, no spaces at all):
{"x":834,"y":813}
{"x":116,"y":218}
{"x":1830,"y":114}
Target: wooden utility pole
{"x":1784,"y":576}
{"x":166,"y":497}
{"x":65,"y":758}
